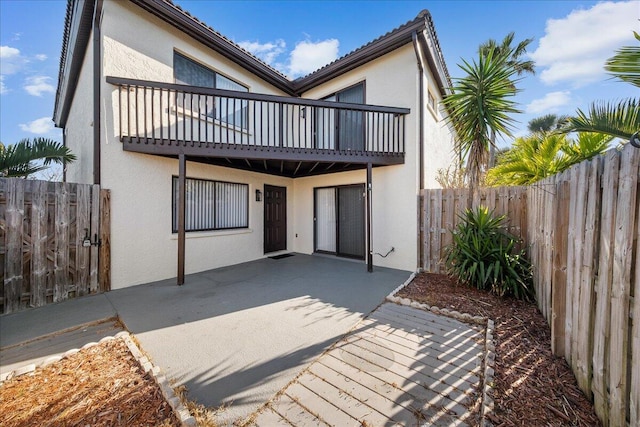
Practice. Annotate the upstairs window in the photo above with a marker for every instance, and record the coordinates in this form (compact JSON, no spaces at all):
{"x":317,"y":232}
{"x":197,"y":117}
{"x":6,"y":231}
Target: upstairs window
{"x":431,"y":101}
{"x":228,"y":110}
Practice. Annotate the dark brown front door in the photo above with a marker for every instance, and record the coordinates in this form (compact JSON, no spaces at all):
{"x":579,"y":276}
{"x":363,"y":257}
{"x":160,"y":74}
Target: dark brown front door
{"x":275,"y":218}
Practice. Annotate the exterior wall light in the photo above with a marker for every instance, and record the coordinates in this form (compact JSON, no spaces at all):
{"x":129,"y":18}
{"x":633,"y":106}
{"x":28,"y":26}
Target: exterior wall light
{"x":258,"y":195}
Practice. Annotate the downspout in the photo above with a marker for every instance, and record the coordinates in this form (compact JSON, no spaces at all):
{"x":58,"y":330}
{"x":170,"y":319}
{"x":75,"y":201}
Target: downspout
{"x":97,"y":77}
{"x":421,"y":229}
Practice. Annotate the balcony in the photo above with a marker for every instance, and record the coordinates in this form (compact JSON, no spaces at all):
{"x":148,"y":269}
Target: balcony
{"x":263,"y":133}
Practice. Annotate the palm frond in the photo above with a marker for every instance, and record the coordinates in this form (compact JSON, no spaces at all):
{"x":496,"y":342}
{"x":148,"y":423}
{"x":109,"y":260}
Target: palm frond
{"x":20,"y":159}
{"x":619,"y":120}
{"x":625,"y":64}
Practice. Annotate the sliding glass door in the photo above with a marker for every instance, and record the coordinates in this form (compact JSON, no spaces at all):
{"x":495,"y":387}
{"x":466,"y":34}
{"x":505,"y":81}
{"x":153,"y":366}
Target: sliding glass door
{"x":339,"y":221}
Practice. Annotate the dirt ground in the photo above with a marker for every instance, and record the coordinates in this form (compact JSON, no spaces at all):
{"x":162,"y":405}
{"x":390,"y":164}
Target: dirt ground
{"x":532,"y":387}
{"x":100,"y":386}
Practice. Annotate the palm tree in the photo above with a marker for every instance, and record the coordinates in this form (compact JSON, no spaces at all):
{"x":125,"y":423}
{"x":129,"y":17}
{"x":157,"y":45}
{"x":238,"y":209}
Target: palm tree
{"x":480,"y":103}
{"x":546,"y":123}
{"x":513,"y":59}
{"x":540,"y":155}
{"x":530,"y":159}
{"x":621,"y":120}
{"x":21,"y":159}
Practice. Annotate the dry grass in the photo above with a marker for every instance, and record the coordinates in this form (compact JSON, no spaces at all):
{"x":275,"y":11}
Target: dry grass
{"x":100,"y":386}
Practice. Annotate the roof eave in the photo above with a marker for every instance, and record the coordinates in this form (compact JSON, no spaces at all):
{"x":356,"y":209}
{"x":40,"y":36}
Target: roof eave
{"x":75,"y":41}
{"x":368,"y":53}
{"x":186,"y":24}
{"x":431,"y":47}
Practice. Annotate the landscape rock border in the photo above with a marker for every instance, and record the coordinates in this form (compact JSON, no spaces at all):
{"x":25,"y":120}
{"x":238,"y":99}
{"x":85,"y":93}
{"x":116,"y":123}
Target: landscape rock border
{"x":179,"y":409}
{"x":486,"y":399}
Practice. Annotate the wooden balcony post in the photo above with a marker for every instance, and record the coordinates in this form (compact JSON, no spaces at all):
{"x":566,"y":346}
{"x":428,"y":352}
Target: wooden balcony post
{"x":182,"y":171}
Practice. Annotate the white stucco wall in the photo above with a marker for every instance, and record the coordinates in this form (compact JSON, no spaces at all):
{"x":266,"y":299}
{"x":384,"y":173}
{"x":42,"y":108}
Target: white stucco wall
{"x":143,"y":249}
{"x":438,"y":134}
{"x":79,"y":127}
{"x":138,"y":46}
{"x":391,"y":80}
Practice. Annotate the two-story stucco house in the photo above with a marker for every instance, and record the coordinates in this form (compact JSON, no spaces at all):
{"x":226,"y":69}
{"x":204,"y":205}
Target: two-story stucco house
{"x":214,"y":158}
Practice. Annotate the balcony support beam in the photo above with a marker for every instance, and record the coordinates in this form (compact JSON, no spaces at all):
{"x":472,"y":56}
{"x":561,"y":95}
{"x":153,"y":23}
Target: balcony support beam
{"x":155,"y":146}
{"x":182,"y":173}
{"x":369,"y":215}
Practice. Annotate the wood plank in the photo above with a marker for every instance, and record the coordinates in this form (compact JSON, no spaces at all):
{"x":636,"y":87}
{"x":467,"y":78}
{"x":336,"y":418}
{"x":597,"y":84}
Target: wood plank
{"x":426,"y":220}
{"x":448,"y":219}
{"x":559,"y":293}
{"x":584,"y":341}
{"x":14,"y":217}
{"x":269,"y":418}
{"x":523,"y":202}
{"x":294,"y":413}
{"x":39,"y":237}
{"x":609,"y":188}
{"x":94,"y":230}
{"x":436,"y":223}
{"x":344,"y":401}
{"x":83,"y":227}
{"x":414,"y":389}
{"x":549,"y":213}
{"x":104,"y":276}
{"x":571,"y":260}
{"x":579,"y":216}
{"x":325,"y":410}
{"x":61,"y":263}
{"x":634,"y":387}
{"x":387,"y":407}
{"x":620,"y":290}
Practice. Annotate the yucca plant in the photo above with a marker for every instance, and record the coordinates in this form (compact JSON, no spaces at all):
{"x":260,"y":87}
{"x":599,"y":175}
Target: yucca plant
{"x":484,"y":255}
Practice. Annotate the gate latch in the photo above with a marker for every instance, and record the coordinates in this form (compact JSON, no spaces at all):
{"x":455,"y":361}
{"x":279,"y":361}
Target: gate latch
{"x":86,"y":240}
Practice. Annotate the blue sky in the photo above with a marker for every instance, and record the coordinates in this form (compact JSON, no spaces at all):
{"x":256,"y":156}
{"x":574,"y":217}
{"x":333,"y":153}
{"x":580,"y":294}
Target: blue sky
{"x":571,"y":41}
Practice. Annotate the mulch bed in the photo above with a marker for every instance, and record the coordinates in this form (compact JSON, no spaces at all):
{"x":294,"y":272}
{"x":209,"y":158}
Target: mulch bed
{"x":99,"y":386}
{"x":532,"y":387}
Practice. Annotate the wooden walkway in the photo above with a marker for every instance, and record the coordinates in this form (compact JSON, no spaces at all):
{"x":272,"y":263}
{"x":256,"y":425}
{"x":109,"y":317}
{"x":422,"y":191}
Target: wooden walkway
{"x":399,"y":366}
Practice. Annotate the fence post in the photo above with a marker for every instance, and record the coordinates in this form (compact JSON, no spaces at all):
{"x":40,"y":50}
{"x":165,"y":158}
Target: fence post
{"x":105,"y":241}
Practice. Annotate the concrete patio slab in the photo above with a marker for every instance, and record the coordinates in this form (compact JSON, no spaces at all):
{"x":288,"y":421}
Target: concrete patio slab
{"x":399,"y":366}
{"x":235,"y":335}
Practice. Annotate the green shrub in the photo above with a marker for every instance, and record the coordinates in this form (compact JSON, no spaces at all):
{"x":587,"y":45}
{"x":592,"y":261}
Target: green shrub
{"x":483,"y":255}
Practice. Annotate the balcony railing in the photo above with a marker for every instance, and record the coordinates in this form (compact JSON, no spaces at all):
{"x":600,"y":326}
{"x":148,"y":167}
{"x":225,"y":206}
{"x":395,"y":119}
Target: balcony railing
{"x":171,"y":115}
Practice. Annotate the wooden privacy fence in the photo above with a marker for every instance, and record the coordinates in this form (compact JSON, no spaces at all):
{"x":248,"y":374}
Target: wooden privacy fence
{"x":54,"y":242}
{"x":581,"y":231}
{"x":441,"y":209}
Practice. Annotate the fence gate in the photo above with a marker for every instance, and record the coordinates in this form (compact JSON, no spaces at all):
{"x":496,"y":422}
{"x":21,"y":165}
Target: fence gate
{"x":54,"y":242}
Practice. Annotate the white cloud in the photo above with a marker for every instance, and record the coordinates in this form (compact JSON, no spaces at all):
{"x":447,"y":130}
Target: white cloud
{"x":576,"y":47}
{"x":309,"y":56}
{"x":41,"y":57}
{"x":39,"y":126}
{"x":3,"y":87}
{"x":37,"y":85}
{"x":268,"y":52}
{"x":549,"y":103}
{"x":11,"y":60}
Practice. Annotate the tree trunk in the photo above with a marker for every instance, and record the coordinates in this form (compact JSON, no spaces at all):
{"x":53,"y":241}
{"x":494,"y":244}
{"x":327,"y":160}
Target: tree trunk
{"x":492,"y":150}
